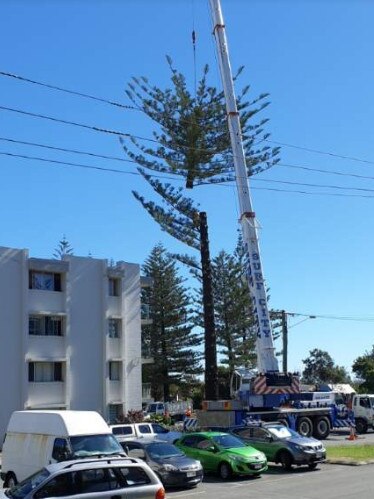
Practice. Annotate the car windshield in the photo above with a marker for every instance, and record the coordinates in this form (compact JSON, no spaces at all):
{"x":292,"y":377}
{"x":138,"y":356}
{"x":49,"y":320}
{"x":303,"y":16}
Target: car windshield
{"x":372,"y":401}
{"x":282,"y":432}
{"x":157,"y":450}
{"x":228,"y":441}
{"x":157,"y":428}
{"x":26,"y":486}
{"x":152,"y":408}
{"x":93,"y":445}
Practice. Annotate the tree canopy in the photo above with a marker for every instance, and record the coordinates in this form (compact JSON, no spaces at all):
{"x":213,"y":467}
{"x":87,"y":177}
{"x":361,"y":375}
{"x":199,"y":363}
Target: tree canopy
{"x":363,"y":367}
{"x":169,"y":339}
{"x":321,"y":368}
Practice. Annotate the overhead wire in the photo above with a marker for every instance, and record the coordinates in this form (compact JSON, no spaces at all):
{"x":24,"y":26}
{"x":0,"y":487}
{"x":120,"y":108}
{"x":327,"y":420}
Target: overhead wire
{"x":119,"y":105}
{"x":113,"y":170}
{"x":333,"y":317}
{"x":73,"y":92}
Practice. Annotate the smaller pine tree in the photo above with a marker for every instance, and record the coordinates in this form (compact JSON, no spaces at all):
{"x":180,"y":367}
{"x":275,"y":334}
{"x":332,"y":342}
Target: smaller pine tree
{"x":63,"y":248}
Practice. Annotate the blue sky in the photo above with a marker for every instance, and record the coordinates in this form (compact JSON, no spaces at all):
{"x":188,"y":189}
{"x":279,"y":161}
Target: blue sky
{"x":315,"y":59}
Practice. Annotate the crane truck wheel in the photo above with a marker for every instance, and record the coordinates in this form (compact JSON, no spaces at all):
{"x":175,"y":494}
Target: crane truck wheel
{"x":321,"y":429}
{"x":361,"y":425}
{"x":305,"y":426}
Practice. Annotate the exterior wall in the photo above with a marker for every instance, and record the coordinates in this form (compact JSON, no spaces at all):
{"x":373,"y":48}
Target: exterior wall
{"x":13,"y":286}
{"x":85,"y":349}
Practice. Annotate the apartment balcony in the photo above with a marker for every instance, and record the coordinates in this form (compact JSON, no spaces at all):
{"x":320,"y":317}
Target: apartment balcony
{"x":145,"y":314}
{"x":46,"y":347}
{"x":114,"y":393}
{"x":146,"y":354}
{"x":146,"y":393}
{"x":45,"y":301}
{"x":46,"y":395}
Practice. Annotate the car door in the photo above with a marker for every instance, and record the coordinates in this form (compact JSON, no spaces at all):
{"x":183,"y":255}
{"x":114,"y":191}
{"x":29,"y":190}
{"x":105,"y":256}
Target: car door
{"x":207,"y":454}
{"x":260,"y":439}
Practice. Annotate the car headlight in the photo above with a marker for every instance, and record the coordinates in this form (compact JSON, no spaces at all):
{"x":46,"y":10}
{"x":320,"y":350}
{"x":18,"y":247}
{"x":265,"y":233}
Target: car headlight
{"x":261,"y":456}
{"x":301,"y":448}
{"x":169,"y":467}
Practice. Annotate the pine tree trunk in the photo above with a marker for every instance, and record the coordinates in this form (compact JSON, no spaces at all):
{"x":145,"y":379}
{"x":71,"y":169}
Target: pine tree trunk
{"x":211,"y":373}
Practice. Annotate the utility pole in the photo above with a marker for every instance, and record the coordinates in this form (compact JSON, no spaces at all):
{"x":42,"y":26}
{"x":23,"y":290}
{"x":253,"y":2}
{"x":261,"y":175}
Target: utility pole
{"x":284,"y":341}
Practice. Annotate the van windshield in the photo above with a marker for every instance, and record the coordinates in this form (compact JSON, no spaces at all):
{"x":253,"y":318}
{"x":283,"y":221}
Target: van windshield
{"x":95,"y":445}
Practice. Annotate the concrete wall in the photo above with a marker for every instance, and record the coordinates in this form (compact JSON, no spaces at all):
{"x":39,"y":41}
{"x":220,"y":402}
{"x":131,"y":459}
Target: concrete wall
{"x":85,"y":350}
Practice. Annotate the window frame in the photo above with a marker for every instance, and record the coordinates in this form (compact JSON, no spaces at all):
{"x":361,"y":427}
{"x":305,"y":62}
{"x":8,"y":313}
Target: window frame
{"x":56,"y":369}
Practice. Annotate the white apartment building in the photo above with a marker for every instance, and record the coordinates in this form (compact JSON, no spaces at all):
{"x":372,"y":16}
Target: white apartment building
{"x":70,"y":335}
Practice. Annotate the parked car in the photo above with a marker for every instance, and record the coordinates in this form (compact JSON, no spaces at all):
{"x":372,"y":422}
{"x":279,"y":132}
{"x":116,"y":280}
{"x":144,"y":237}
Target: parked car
{"x":90,"y":478}
{"x":169,"y":463}
{"x":135,"y":430}
{"x":223,"y":453}
{"x":282,"y":445}
{"x":37,"y":438}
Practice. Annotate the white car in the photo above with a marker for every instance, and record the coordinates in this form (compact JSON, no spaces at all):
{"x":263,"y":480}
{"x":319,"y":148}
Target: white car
{"x":90,"y":478}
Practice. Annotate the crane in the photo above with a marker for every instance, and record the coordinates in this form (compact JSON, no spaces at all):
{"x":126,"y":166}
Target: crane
{"x":270,"y":379}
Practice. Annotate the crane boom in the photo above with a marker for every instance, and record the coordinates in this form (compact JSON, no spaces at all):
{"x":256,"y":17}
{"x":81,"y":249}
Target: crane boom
{"x":267,"y":361}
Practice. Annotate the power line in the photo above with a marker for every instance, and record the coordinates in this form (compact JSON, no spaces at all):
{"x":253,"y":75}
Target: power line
{"x":81,"y":125}
{"x":117,"y":104}
{"x":116,"y":158}
{"x":63,"y":149}
{"x":73,"y":92}
{"x":113,"y":170}
{"x":99,"y":129}
{"x":79,"y":165}
{"x":304,"y":184}
{"x":330,"y":172}
{"x":333,"y":317}
{"x":317,"y":151}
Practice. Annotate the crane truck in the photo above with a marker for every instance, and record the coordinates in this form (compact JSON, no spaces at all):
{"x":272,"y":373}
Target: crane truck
{"x":266,"y":393}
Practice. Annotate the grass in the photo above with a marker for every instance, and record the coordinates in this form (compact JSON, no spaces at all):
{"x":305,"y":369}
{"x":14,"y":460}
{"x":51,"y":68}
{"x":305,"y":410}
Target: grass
{"x":355,"y":453}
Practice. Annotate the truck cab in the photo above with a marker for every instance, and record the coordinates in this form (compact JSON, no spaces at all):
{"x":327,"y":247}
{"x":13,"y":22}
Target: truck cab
{"x":363,"y":408}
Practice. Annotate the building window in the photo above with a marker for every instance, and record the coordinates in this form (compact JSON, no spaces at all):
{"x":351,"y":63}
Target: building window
{"x":115,"y":413}
{"x":46,"y":325}
{"x":114,"y":370}
{"x":42,"y":372}
{"x":145,"y":311}
{"x":114,"y":286}
{"x":114,"y":328}
{"x":48,"y":281}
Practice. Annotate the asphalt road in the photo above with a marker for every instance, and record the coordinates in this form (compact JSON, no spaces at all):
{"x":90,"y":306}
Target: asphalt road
{"x":339,"y":437}
{"x":326,"y":482}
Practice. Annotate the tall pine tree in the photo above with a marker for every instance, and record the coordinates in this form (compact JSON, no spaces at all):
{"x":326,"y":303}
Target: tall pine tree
{"x":170,"y":339}
{"x":192,"y":141}
{"x":236,"y":334}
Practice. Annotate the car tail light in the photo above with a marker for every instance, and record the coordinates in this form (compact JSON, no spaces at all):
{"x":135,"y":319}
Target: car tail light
{"x":160,"y":494}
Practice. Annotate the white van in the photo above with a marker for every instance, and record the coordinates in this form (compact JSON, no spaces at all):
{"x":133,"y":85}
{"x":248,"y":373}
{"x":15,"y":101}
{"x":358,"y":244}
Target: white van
{"x":35,"y":439}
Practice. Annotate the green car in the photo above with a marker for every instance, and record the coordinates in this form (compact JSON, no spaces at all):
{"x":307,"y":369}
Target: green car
{"x":223,"y":453}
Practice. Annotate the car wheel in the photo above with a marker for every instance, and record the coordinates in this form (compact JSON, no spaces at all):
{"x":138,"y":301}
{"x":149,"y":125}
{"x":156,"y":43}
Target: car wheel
{"x":286,"y":460}
{"x":361,"y":425}
{"x":321,"y":428}
{"x":305,"y":426}
{"x":312,"y":466}
{"x":10,"y":481}
{"x":225,"y":471}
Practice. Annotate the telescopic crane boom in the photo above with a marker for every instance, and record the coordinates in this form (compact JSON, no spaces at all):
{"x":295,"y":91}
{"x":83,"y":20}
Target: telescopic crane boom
{"x":267,"y":361}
